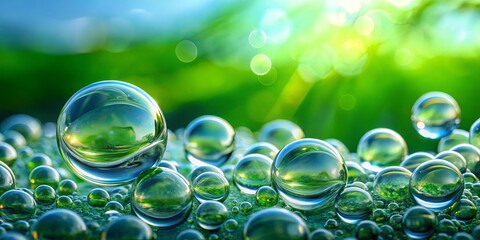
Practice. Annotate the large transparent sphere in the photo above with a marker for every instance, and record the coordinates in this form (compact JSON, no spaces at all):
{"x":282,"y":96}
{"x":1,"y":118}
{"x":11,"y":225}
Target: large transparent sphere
{"x":110,"y":131}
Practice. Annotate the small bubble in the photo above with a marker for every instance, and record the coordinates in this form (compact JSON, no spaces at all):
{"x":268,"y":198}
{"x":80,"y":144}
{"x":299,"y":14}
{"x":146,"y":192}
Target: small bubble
{"x":257,"y":38}
{"x":186,"y":51}
{"x":260,"y":64}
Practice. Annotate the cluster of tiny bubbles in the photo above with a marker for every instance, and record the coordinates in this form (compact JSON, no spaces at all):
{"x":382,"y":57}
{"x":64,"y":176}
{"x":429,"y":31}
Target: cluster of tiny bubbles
{"x":471,"y":155}
{"x":209,"y":140}
{"x":98,"y":197}
{"x":161,"y":197}
{"x":110,"y":131}
{"x":393,"y":183}
{"x":381,"y":147}
{"x":7,"y":178}
{"x":280,"y":132}
{"x":412,"y":161}
{"x":355,"y":172}
{"x":309,"y":174}
{"x":59,"y":224}
{"x":266,"y":196}
{"x":454,"y":158}
{"x":38,"y":159}
{"x":274,"y":223}
{"x":436,"y":184}
{"x":435,"y":115}
{"x":353,"y":205}
{"x":17,"y":205}
{"x":210,"y":215}
{"x":458,"y":136}
{"x":264,"y":148}
{"x":252,"y":172}
{"x":419,"y":222}
{"x":44,"y":175}
{"x":44,"y":195}
{"x":127,"y":227}
{"x":8,"y":154}
{"x":211,"y":186}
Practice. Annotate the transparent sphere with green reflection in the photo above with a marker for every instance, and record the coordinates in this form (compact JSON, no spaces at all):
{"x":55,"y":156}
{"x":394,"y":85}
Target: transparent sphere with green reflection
{"x":110,"y":131}
{"x":64,"y":202}
{"x":127,"y":228}
{"x":436,"y":184}
{"x":263,"y":148}
{"x":309,"y":174}
{"x":8,"y":154}
{"x":471,"y":155}
{"x":98,"y":197}
{"x":59,"y":224}
{"x":367,"y":230}
{"x":381,"y":147}
{"x":275,"y":223}
{"x":38,"y":159}
{"x":280,"y":132}
{"x":203,"y":169}
{"x":458,"y":136}
{"x":266,"y":196}
{"x":412,"y":161}
{"x":454,"y":158}
{"x":17,"y":205}
{"x":211,"y":186}
{"x":44,"y":175}
{"x":435,"y":115}
{"x":354,"y":204}
{"x":7,"y":178}
{"x":44,"y":195}
{"x":252,"y":172}
{"x":393,"y":183}
{"x":419,"y":222}
{"x":209,"y":140}
{"x":464,"y":210}
{"x":355,"y":172}
{"x":210,"y":215}
{"x":190,"y":234}
{"x":341,"y":148}
{"x":24,"y":124}
{"x":161,"y":197}
{"x":67,"y":187}
{"x":231,"y":225}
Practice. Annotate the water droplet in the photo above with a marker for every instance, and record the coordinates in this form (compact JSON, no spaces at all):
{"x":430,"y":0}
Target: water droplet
{"x":17,"y":205}
{"x":67,"y":187}
{"x":353,"y":205}
{"x":419,"y":222}
{"x":393,"y":183}
{"x":190,"y":234}
{"x":211,"y":186}
{"x":261,"y":64}
{"x":458,"y":136}
{"x":8,"y":154}
{"x":252,"y":172}
{"x":274,"y":222}
{"x":367,"y":230}
{"x":266,"y":196}
{"x":98,"y":197}
{"x":127,"y":227}
{"x":231,"y":225}
{"x":44,"y":175}
{"x":38,"y":159}
{"x":59,"y":224}
{"x":7,"y":178}
{"x":414,"y":160}
{"x":381,"y":147}
{"x":454,"y":158}
{"x":464,"y":210}
{"x":471,"y":155}
{"x":280,"y":133}
{"x":264,"y":148}
{"x":44,"y":195}
{"x":210,"y":215}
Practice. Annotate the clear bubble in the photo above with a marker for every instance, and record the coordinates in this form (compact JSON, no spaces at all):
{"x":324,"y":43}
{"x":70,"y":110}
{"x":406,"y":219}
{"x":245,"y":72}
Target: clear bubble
{"x":231,"y":225}
{"x":412,"y":161}
{"x":110,"y":131}
{"x":211,"y":186}
{"x":353,"y":205}
{"x":436,"y":184}
{"x":454,"y":158}
{"x":59,"y":224}
{"x":419,"y":222}
{"x":64,"y":202}
{"x":245,"y":208}
{"x":38,"y":159}
{"x":44,"y":195}
{"x":127,"y":227}
{"x":24,"y":124}
{"x":309,"y":174}
{"x":252,"y":172}
{"x":392,"y":183}
{"x":44,"y":175}
{"x":322,"y":234}
{"x":186,"y":51}
{"x":355,"y":172}
{"x":435,"y":115}
{"x":114,"y":205}
{"x":190,"y":234}
{"x":381,"y":147}
{"x":161,"y":197}
{"x":257,"y":38}
{"x":260,"y":64}
{"x":167,"y":164}
{"x":367,"y":230}
{"x":272,"y":223}
{"x":7,"y":178}
{"x":17,"y":205}
{"x":464,"y":210}
{"x":471,"y":155}
{"x":280,"y":133}
{"x":209,"y":140}
{"x":469,"y":177}
{"x":264,"y":148}
{"x":203,"y":169}
{"x":210,"y":215}
{"x":458,"y":136}
{"x":266,"y":196}
{"x":98,"y":197}
{"x":15,"y":139}
{"x":8,"y":154}
{"x":341,"y":148}
{"x":67,"y":187}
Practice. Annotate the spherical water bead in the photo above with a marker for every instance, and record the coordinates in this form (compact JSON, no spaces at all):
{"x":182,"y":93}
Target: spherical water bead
{"x":308,"y":174}
{"x":38,"y":159}
{"x":67,"y":187}
{"x":471,"y":155}
{"x":167,"y":164}
{"x":447,"y":226}
{"x":161,"y":197}
{"x":211,"y":186}
{"x":114,"y":205}
{"x":322,"y":234}
{"x":435,"y":115}
{"x":44,"y":175}
{"x":44,"y":195}
{"x":469,"y":177}
{"x":190,"y":234}
{"x":231,"y":225}
{"x":251,"y":172}
{"x":209,"y":140}
{"x":454,"y":158}
{"x":412,"y":161}
{"x":353,"y":205}
{"x":272,"y":223}
{"x":380,"y":148}
{"x":436,"y":184}
{"x":202,"y":169}
{"x":21,"y":226}
{"x":392,"y":183}
{"x":264,"y":148}
{"x":8,"y":154}
{"x":127,"y":227}
{"x":110,"y":131}
{"x":17,"y":205}
{"x":15,"y":139}
{"x":210,"y":215}
{"x":59,"y":224}
{"x":355,"y":172}
{"x":7,"y":178}
{"x":64,"y":202}
{"x":367,"y":230}
{"x":341,"y":148}
{"x":458,"y":136}
{"x":266,"y":196}
{"x":379,"y":215}
{"x":419,"y":222}
{"x":98,"y":197}
{"x":26,"y":125}
{"x":280,"y":132}
{"x":464,"y":210}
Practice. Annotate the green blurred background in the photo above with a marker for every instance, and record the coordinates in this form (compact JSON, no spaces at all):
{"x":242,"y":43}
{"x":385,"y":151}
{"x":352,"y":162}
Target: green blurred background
{"x":337,"y":68}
